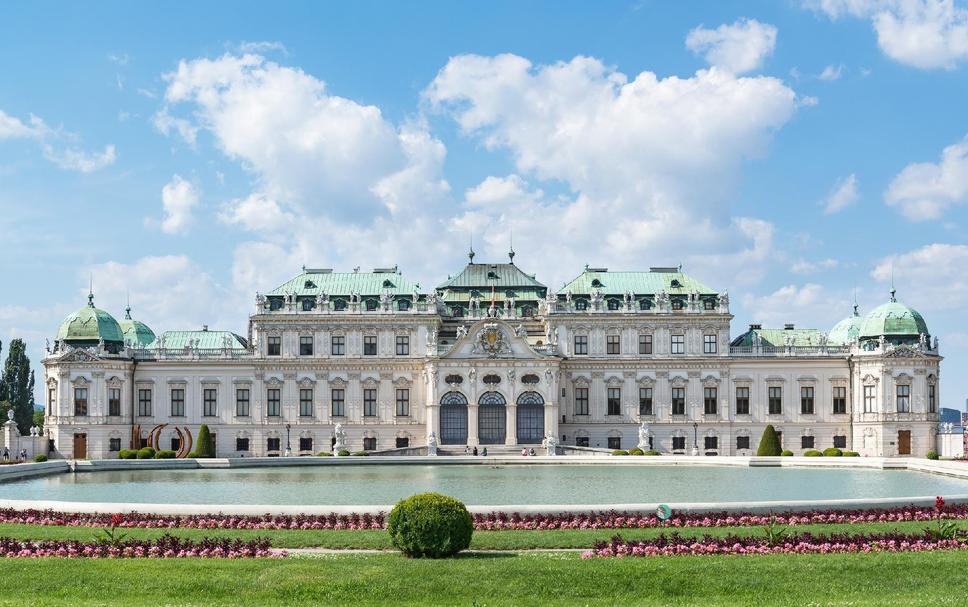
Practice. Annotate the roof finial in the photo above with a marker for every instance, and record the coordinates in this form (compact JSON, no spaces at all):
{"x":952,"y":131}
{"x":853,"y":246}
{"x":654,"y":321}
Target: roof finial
{"x":511,"y":251}
{"x":127,"y":309}
{"x":893,"y":288}
{"x":90,"y":291}
{"x":470,"y":254}
{"x":856,"y":313}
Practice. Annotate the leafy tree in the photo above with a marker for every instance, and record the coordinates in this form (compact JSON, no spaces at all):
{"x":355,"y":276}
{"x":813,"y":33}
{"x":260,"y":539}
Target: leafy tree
{"x":39,"y":419}
{"x":18,"y":384}
{"x":770,"y":442}
{"x":205,"y":447}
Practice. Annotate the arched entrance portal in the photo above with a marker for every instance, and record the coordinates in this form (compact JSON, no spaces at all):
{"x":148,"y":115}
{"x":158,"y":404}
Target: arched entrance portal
{"x":492,"y":419}
{"x":453,"y":419}
{"x":530,"y":418}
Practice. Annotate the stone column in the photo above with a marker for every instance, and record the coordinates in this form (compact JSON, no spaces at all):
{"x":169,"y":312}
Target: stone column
{"x":511,"y":421}
{"x":11,"y":436}
{"x":472,"y":438}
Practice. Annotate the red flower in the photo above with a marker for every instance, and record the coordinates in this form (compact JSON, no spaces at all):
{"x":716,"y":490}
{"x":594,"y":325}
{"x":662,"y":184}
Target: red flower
{"x":939,"y":503}
{"x":117,"y":519}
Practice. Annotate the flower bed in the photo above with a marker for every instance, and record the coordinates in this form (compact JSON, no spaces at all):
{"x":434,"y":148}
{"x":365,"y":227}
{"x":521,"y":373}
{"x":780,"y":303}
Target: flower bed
{"x":166,"y":546}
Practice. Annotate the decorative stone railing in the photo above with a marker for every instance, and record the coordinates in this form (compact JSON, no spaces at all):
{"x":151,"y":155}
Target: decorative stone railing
{"x":794,"y":351}
{"x":190,"y":353}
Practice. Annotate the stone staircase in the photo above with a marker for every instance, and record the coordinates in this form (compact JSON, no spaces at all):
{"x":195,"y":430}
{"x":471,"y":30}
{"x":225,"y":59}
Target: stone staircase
{"x":502,"y":450}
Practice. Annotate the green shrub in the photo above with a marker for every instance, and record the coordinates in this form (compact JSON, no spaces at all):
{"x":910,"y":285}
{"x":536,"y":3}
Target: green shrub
{"x":851,"y":454}
{"x":832,"y":452}
{"x":932,"y":455}
{"x":40,"y":458}
{"x":812,"y":453}
{"x":205,"y":446}
{"x":786,"y":453}
{"x":620,"y":452}
{"x":636,"y":451}
{"x":165,"y":454}
{"x":343,"y":452}
{"x":324,"y":454}
{"x":651,"y":452}
{"x":361,"y":453}
{"x":769,"y":443}
{"x":127,"y":454}
{"x":430,"y":525}
{"x":146,"y":453}
{"x":194,"y":454}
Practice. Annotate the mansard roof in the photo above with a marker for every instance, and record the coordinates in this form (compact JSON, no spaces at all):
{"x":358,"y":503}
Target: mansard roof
{"x":777,"y":337}
{"x":670,"y":280}
{"x":316,"y":281}
{"x":206,"y":340}
{"x":483,"y":276}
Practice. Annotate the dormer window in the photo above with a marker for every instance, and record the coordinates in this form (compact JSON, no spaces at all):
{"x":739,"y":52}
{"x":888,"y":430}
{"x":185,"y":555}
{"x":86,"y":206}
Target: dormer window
{"x":339,"y":304}
{"x":403,"y":305}
{"x":457,"y":311}
{"x":676,"y":284}
{"x":275,"y":304}
{"x":597,"y":283}
{"x":307,"y":305}
{"x":613,"y":304}
{"x":527,"y":311}
{"x":370,"y":305}
{"x":309,"y":285}
{"x":581,"y":304}
{"x":491,"y":275}
{"x":387,"y":284}
{"x":644,"y":304}
{"x":676,"y":304}
{"x":708,"y":304}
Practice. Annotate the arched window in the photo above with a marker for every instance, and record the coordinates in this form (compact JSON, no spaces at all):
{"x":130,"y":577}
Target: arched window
{"x":530,"y":420}
{"x":370,"y":305}
{"x":403,"y":305}
{"x":492,"y":419}
{"x":453,"y":419}
{"x":644,"y":304}
{"x":613,"y":304}
{"x":339,"y":304}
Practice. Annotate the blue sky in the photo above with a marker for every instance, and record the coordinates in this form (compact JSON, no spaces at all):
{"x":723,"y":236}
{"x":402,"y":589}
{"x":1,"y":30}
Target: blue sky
{"x":791,"y":152}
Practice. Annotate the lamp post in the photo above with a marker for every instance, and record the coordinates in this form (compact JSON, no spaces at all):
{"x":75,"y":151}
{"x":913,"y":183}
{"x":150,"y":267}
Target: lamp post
{"x":695,"y":438}
{"x":288,"y":447}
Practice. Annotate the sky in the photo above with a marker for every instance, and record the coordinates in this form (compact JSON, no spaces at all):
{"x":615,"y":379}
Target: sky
{"x":184,"y":156}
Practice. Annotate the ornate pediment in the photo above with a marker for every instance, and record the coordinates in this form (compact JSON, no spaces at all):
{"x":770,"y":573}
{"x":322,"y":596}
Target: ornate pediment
{"x":904,"y":352}
{"x":79,"y":355}
{"x":491,"y":338}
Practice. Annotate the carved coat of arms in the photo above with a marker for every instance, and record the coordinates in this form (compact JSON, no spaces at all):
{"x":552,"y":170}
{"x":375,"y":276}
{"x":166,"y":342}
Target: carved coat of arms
{"x":491,"y":341}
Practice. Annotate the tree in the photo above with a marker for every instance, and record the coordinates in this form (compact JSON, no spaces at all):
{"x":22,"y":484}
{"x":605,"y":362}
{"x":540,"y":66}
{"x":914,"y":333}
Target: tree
{"x":204,"y":446}
{"x":39,"y":419}
{"x":18,"y":386}
{"x":769,"y":442}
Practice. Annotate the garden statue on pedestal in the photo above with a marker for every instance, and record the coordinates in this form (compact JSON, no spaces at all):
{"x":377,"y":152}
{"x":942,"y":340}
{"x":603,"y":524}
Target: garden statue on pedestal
{"x":432,"y":443}
{"x":551,"y":442}
{"x":644,"y":437}
{"x":340,"y":435}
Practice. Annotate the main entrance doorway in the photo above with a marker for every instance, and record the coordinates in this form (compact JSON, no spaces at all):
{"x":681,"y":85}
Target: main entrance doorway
{"x":530,"y":418}
{"x":904,"y":442}
{"x":492,"y":419}
{"x":453,"y":419}
{"x":80,"y":446}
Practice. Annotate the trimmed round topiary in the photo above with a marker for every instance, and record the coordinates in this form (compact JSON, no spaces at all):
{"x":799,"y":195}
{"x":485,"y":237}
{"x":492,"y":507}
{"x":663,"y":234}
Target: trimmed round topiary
{"x":40,"y":458}
{"x":343,"y":452}
{"x":932,"y":455}
{"x":770,"y":443}
{"x":832,"y":452}
{"x":194,"y":455}
{"x":146,"y":453}
{"x":812,"y":453}
{"x":127,"y":454}
{"x":786,"y":453}
{"x":651,"y":452}
{"x":361,"y":453}
{"x":324,"y":454}
{"x":430,"y":525}
{"x":620,"y":452}
{"x":636,"y":451}
{"x":165,"y":454}
{"x":851,"y":454}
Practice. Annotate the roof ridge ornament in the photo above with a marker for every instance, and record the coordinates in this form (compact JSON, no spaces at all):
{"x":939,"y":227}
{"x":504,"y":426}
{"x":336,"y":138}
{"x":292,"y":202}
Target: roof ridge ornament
{"x":511,"y":250}
{"x":470,"y":254}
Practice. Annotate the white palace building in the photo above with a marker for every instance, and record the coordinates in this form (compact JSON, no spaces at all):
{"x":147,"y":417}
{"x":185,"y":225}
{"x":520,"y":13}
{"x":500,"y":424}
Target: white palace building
{"x":493,"y":358}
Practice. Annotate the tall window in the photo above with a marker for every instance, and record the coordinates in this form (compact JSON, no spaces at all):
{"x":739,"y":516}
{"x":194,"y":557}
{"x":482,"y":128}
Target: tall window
{"x":840,"y":441}
{"x":177,"y":402}
{"x":645,"y":343}
{"x":369,"y":443}
{"x":144,"y":402}
{"x":613,"y":344}
{"x":614,"y":442}
{"x":903,"y":398}
{"x":742,"y":442}
{"x":678,"y":344}
{"x":403,"y":345}
{"x":708,"y":344}
{"x":932,"y":398}
{"x":775,"y":400}
{"x":581,"y":401}
{"x":710,"y":442}
{"x":51,"y":400}
{"x":806,"y":400}
{"x":614,"y":401}
{"x":709,"y":398}
{"x":274,"y":402}
{"x":678,"y":401}
{"x":80,"y":401}
{"x":369,"y":345}
{"x":306,"y":402}
{"x":369,"y":402}
{"x":742,"y":400}
{"x":305,"y":443}
{"x":209,"y":402}
{"x":272,"y":444}
{"x":307,"y":305}
{"x":870,"y":399}
{"x":339,"y":402}
{"x":338,"y":345}
{"x":306,"y":345}
{"x":678,"y":443}
{"x":806,"y":442}
{"x":403,"y":401}
{"x":581,"y":344}
{"x":840,"y":400}
{"x":241,"y":444}
{"x":114,"y":444}
{"x":242,"y":403}
{"x":114,"y":401}
{"x":645,"y":401}
{"x":274,"y":346}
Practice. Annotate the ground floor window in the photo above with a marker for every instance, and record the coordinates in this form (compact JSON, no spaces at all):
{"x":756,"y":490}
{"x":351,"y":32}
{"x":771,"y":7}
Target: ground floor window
{"x":272,"y":444}
{"x":581,"y":441}
{"x":241,"y":444}
{"x":369,"y":444}
{"x":402,"y":441}
{"x":711,"y":442}
{"x":678,"y":443}
{"x":305,"y":444}
{"x":840,"y":441}
{"x":614,"y":442}
{"x":114,"y":444}
{"x":742,"y":442}
{"x":806,"y":442}
{"x":175,"y":443}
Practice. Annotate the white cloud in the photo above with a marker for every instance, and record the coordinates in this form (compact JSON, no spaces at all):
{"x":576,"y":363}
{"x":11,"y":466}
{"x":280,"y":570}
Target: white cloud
{"x":926,"y":34}
{"x":807,"y":101}
{"x":51,"y":143}
{"x":932,"y":277}
{"x":256,"y":213}
{"x":121,"y":59}
{"x":803,"y":266}
{"x":808,"y":306}
{"x":73,"y":159}
{"x":831,"y":73}
{"x":13,"y":128}
{"x":843,"y":195}
{"x":924,"y":190}
{"x":178,"y":199}
{"x":262,"y":47}
{"x":739,"y":47}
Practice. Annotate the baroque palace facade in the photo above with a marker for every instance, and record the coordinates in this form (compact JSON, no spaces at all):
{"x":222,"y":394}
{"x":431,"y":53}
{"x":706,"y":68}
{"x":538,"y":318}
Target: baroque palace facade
{"x":492,"y":357}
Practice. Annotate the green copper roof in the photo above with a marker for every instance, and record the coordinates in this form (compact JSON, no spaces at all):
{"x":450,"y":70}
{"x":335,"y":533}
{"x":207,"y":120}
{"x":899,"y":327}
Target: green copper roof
{"x":846,"y":331}
{"x":90,"y":324}
{"x":136,"y":333}
{"x":893,"y":318}
{"x":776,"y":338}
{"x":671,"y":280}
{"x":314,"y":282}
{"x":207,"y":340}
{"x":483,"y":276}
{"x":519,"y":294}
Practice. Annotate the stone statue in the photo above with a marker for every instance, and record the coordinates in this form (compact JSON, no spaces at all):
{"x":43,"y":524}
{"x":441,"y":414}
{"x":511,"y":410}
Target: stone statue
{"x":644,"y":437}
{"x":923,"y":341}
{"x":693,"y":301}
{"x":432,"y":298}
{"x":520,"y":331}
{"x":757,"y":341}
{"x":10,"y":414}
{"x":568,"y":298}
{"x":936,"y":344}
{"x":432,"y":443}
{"x":48,"y":345}
{"x":322,"y":300}
{"x":597,"y":299}
{"x":511,"y":375}
{"x":628,"y":300}
{"x":260,"y":302}
{"x":662,"y":301}
{"x":461,"y":332}
{"x":551,"y":442}
{"x":724,"y":303}
{"x":416,"y":297}
{"x":340,"y":435}
{"x":385,"y":300}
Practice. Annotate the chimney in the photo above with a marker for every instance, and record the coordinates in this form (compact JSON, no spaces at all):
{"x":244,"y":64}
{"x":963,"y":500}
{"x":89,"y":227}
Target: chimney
{"x":205,"y":328}
{"x":788,"y":326}
{"x":755,"y":327}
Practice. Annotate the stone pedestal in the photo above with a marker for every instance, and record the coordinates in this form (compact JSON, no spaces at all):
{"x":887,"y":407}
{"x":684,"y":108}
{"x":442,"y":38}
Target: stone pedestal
{"x":11,"y":436}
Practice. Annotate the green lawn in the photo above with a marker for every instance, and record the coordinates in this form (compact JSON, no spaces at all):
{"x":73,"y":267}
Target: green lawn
{"x":501,"y":579}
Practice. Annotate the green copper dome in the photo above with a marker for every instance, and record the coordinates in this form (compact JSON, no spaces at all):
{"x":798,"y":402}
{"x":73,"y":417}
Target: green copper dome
{"x":90,"y":324}
{"x":845,"y":331}
{"x":893,"y":319}
{"x":136,"y":333}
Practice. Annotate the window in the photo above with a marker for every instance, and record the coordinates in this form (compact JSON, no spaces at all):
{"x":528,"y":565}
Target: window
{"x":743,"y":400}
{"x":272,"y":444}
{"x":581,"y":401}
{"x":742,"y":442}
{"x":338,"y":343}
{"x":273,"y":402}
{"x":114,"y":401}
{"x":305,"y":443}
{"x":175,"y":443}
{"x":932,"y":398}
{"x":369,"y":345}
{"x":274,"y":346}
{"x":457,"y":311}
{"x":177,"y":402}
{"x":581,"y":344}
{"x":643,"y":304}
{"x":403,"y":305}
{"x":369,"y":444}
{"x":870,"y":399}
{"x":775,"y":400}
{"x":144,"y":402}
{"x":581,"y":304}
{"x":678,"y":345}
{"x":614,"y":401}
{"x":51,"y":400}
{"x":614,"y":442}
{"x":645,"y":343}
{"x":339,"y":304}
{"x":903,"y":398}
{"x":709,"y":304}
{"x":708,"y":344}
{"x":840,"y":441}
{"x":709,"y":398}
{"x":710,"y":442}
{"x":806,"y":400}
{"x":403,"y":401}
{"x":806,"y":442}
{"x":369,"y":402}
{"x":242,"y":402}
{"x":403,"y":345}
{"x":678,"y":401}
{"x":840,"y":400}
{"x":114,"y":444}
{"x":307,"y":305}
{"x":209,"y":402}
{"x":370,"y":305}
{"x":581,"y":441}
{"x":613,"y":344}
{"x":339,"y":402}
{"x":678,"y":443}
{"x":613,"y":304}
{"x":241,"y":444}
{"x":80,"y":401}
{"x":306,"y":345}
{"x":645,"y":401}
{"x":676,"y":304}
{"x":402,"y":442}
{"x":306,"y":402}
